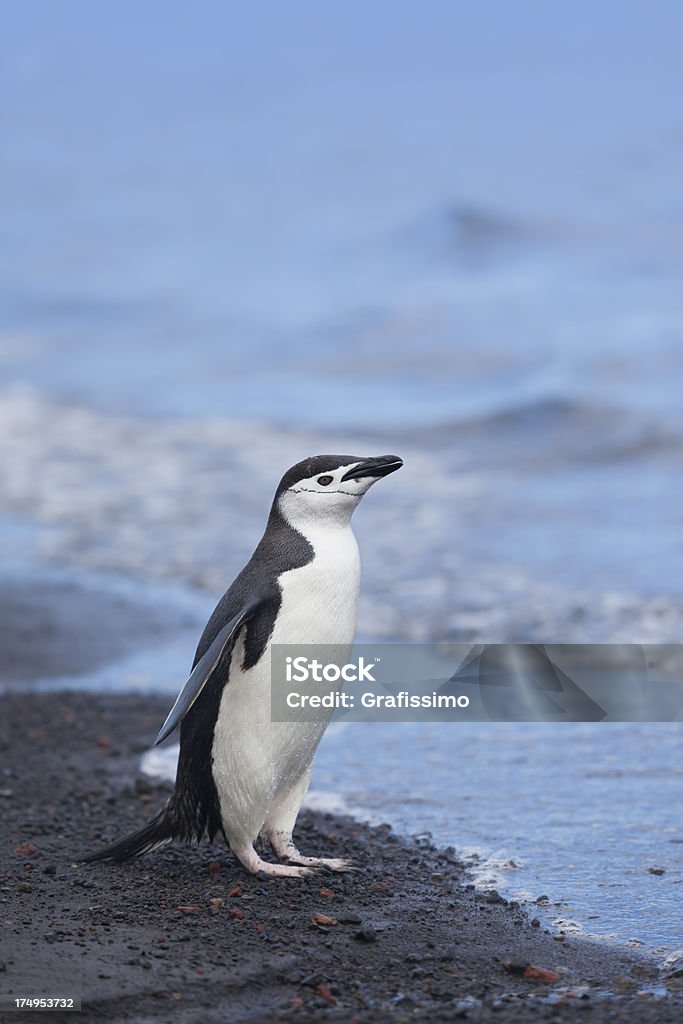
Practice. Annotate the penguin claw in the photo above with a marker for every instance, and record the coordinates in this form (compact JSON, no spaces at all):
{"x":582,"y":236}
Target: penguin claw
{"x":337,"y":864}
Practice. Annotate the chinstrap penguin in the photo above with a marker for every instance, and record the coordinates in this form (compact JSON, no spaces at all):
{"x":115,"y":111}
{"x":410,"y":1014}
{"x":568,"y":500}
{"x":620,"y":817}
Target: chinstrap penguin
{"x":239,"y":773}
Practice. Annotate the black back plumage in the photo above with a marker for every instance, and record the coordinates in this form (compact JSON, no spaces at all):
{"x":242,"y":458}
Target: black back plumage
{"x":194,"y":806}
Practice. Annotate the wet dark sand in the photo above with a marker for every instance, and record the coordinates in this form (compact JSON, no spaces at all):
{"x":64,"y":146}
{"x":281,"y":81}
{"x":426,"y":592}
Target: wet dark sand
{"x":51,"y":627}
{"x":186,"y":935}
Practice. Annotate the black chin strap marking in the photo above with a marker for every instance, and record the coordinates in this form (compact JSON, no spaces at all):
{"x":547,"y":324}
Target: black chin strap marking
{"x":309,"y":490}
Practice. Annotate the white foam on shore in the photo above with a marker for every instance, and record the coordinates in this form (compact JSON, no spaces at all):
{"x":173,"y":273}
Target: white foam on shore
{"x":187,"y":500}
{"x":160,"y":765}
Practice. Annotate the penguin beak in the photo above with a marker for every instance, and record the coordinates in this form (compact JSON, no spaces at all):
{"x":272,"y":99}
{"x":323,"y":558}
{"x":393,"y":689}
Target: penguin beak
{"x":381,"y":466}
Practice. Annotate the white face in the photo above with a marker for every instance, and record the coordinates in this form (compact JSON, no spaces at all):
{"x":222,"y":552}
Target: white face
{"x":324,"y":499}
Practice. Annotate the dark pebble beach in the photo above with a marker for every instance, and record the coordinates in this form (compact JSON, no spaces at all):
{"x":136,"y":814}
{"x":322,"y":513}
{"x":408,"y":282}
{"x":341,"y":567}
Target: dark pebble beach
{"x":186,"y":935}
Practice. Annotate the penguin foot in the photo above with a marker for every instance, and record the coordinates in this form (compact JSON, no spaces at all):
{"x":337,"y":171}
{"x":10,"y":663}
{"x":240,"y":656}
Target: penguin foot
{"x":331,"y":863}
{"x":250,"y":860}
{"x":283,"y":870}
{"x":287,"y":853}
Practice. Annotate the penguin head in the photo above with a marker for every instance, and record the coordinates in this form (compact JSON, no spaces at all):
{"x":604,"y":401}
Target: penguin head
{"x":327,"y":488}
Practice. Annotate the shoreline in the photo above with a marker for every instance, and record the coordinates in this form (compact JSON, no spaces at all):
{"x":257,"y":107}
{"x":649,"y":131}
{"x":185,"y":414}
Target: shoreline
{"x":186,"y":930}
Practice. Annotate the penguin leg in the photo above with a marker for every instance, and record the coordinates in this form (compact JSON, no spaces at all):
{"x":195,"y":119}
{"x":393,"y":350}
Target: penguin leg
{"x":241,"y":839}
{"x":249,"y":859}
{"x":279,"y":826}
{"x":242,"y":830}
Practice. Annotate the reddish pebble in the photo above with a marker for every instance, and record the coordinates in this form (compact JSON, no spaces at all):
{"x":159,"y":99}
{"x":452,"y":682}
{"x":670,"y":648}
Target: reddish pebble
{"x":323,"y":920}
{"x":325,"y":993}
{"x":327,"y":892}
{"x":236,"y":912}
{"x":214,"y":867}
{"x":26,"y":849}
{"x":235,"y":891}
{"x":540,"y":974}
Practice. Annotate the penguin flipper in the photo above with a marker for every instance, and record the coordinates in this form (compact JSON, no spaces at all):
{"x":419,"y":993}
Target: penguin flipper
{"x":206,"y":665}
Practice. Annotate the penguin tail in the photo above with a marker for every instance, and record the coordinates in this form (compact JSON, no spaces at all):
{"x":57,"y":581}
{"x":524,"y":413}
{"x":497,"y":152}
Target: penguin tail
{"x":158,"y":832}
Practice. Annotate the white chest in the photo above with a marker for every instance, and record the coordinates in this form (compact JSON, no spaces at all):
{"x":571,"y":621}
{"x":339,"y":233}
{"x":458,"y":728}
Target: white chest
{"x":320,"y":600}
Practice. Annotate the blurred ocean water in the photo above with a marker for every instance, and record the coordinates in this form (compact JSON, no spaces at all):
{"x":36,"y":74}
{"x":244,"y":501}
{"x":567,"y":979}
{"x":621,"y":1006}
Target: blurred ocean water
{"x":234,"y":237}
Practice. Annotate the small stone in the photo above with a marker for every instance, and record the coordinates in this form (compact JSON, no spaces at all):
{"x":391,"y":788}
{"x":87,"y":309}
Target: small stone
{"x":516,"y":966}
{"x":494,"y":897}
{"x":26,"y":849}
{"x":380,"y":887}
{"x":324,"y":992}
{"x":540,"y":974}
{"x":349,"y":919}
{"x":323,"y":920}
{"x":312,"y":980}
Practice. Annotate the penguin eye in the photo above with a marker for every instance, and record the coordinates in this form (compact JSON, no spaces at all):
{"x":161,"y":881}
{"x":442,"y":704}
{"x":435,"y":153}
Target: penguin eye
{"x":325,"y":480}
